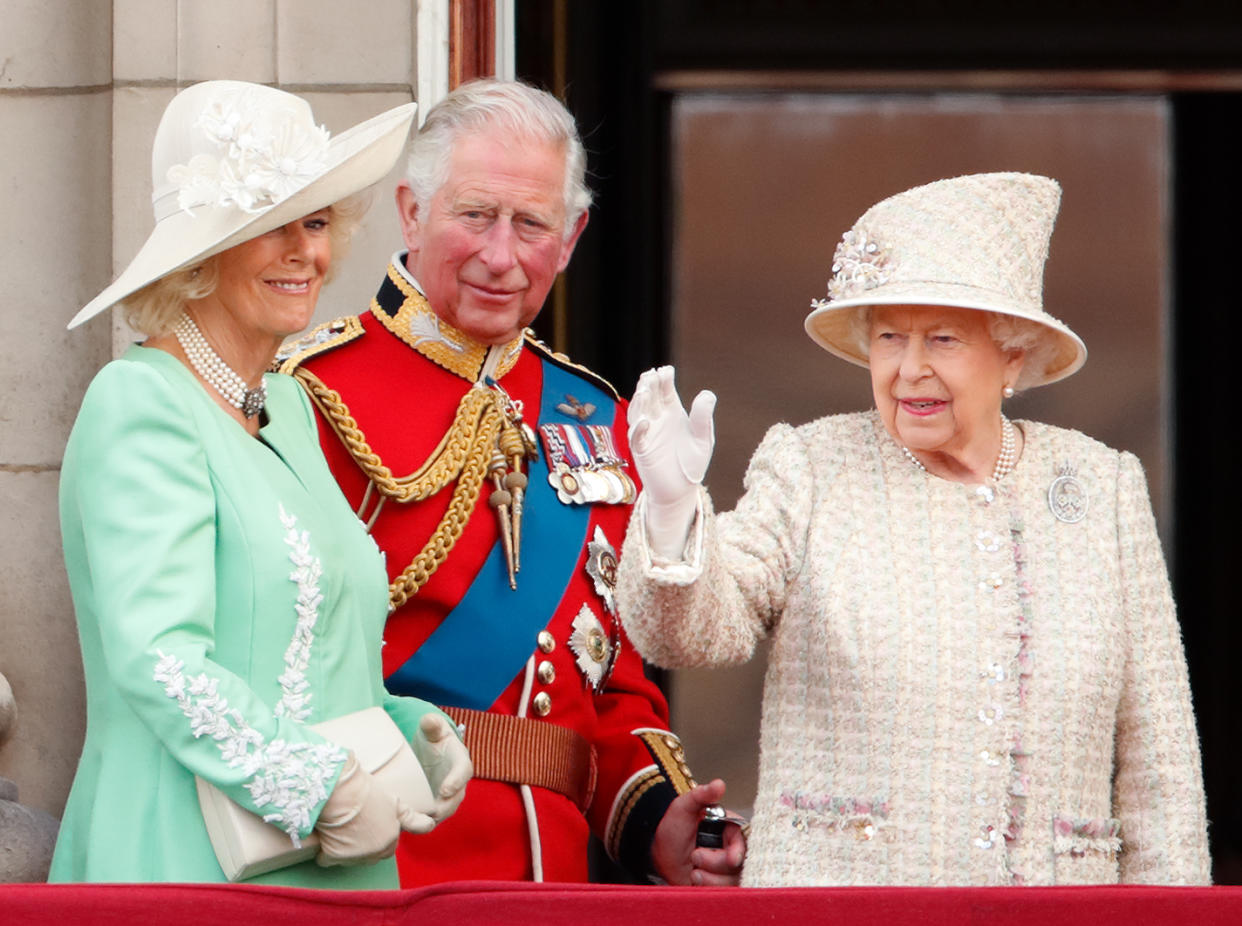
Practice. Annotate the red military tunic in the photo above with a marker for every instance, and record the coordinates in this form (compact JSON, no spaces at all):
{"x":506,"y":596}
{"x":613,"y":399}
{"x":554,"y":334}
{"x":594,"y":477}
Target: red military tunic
{"x":552,"y":650}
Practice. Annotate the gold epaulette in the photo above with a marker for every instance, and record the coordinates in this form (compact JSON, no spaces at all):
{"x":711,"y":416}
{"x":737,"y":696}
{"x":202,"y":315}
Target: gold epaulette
{"x":563,"y":361}
{"x":318,"y":340}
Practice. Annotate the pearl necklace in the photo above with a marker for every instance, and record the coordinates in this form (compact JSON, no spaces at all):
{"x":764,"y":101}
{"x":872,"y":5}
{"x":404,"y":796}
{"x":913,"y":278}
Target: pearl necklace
{"x":1004,"y":462}
{"x":223,"y":378}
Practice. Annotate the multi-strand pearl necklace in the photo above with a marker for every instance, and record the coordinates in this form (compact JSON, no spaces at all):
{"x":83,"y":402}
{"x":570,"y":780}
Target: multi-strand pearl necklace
{"x":1005,"y":460}
{"x":223,"y":378}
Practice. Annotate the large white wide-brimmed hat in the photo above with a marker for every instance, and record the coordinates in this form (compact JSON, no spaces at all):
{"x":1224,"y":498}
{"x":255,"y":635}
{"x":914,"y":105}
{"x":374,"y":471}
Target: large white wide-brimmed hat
{"x":233,"y":160}
{"x":973,"y":242}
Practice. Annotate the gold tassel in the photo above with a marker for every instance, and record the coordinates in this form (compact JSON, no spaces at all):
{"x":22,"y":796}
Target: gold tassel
{"x":513,"y":449}
{"x":500,"y":500}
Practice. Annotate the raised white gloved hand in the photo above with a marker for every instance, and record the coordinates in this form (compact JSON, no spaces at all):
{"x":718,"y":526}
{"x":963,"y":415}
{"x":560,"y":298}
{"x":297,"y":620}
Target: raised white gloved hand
{"x":358,"y":824}
{"x":671,"y":451}
{"x":445,"y":761}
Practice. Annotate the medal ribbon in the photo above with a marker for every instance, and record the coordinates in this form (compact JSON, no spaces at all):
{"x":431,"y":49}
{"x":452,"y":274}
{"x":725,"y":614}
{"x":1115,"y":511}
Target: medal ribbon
{"x":602,"y":446}
{"x":484,"y":642}
{"x":577,"y":453}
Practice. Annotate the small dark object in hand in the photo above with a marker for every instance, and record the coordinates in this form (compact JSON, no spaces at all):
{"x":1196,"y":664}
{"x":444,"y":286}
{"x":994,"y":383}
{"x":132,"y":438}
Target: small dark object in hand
{"x":711,"y":828}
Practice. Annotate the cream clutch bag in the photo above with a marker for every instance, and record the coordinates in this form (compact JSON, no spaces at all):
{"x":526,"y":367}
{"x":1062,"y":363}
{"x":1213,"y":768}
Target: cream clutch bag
{"x":246,"y":846}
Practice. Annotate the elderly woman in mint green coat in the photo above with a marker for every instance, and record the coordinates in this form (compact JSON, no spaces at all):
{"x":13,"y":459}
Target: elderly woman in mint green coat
{"x":227,"y":597}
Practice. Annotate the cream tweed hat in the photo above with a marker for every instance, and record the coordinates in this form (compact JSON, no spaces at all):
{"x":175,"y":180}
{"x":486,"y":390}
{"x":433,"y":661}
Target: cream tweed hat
{"x":973,"y":242}
{"x":233,"y":160}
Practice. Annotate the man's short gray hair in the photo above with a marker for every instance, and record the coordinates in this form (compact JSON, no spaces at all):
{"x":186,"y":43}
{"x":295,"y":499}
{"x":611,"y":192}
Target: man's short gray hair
{"x":510,"y":106}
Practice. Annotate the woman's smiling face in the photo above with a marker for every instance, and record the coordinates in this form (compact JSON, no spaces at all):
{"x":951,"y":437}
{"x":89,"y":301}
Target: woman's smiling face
{"x":937,"y":377}
{"x":269,"y":285}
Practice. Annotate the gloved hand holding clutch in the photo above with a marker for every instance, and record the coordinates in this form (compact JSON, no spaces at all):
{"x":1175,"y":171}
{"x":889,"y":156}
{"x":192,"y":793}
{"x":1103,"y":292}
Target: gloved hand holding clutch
{"x":358,"y":824}
{"x":671,"y":451}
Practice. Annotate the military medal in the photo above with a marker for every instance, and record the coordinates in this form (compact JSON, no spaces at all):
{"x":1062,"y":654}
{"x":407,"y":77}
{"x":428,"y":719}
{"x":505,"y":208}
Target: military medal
{"x":601,"y":566}
{"x":1067,"y":497}
{"x":594,"y":650}
{"x":584,"y":466}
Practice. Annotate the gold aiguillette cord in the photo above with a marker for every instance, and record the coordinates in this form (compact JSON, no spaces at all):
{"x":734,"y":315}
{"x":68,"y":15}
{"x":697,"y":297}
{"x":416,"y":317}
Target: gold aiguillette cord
{"x":487,"y":428}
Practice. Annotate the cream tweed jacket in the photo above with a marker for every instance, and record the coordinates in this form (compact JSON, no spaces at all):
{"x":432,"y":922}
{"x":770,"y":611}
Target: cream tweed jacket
{"x":960,"y":690}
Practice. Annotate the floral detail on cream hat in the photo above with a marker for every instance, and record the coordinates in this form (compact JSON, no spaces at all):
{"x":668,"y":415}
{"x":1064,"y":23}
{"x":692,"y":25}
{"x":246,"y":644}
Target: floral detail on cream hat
{"x":859,"y":263}
{"x":260,"y":161}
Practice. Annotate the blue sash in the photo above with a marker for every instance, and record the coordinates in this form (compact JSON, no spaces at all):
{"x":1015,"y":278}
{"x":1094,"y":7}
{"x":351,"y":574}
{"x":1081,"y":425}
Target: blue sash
{"x":484,"y":642}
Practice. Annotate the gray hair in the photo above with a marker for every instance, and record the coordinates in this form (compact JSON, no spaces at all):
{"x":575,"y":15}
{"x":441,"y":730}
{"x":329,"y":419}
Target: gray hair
{"x":154,"y":309}
{"x":1010,"y":332}
{"x":510,"y":105}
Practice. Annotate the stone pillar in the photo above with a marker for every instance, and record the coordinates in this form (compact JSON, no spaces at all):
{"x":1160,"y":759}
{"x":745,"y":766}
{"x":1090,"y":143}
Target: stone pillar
{"x":55,"y":202}
{"x":82,"y":86}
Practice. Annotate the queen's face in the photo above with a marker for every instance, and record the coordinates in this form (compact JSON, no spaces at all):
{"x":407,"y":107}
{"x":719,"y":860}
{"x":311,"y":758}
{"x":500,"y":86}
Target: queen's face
{"x":937,"y":377}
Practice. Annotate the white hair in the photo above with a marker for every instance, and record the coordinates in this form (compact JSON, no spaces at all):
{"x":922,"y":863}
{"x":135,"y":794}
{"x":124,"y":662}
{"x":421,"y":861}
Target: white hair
{"x":1009,"y":332}
{"x":485,"y":104}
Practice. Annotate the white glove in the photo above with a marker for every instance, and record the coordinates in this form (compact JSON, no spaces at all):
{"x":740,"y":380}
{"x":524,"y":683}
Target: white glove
{"x":414,"y":821}
{"x":671,"y":451}
{"x":358,"y":824}
{"x":445,"y":761}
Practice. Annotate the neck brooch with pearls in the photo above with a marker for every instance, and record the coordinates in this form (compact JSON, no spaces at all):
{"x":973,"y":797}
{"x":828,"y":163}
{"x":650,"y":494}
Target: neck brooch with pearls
{"x":222,"y":378}
{"x":1004,"y":461}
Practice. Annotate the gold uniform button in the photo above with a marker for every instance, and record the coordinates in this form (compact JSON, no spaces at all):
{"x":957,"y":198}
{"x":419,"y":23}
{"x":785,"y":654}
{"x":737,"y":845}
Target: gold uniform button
{"x":542,"y":703}
{"x":547,"y":642}
{"x":547,"y":672}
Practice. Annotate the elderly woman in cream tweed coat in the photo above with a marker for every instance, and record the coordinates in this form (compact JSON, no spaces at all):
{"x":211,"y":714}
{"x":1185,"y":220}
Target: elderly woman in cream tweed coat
{"x":976,"y":674}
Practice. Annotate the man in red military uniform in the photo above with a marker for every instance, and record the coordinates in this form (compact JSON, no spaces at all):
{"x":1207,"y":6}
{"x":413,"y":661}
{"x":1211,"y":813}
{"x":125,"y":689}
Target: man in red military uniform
{"x":496,"y":478}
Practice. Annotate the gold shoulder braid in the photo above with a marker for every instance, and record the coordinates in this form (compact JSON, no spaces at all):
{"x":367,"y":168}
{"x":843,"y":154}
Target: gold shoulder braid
{"x":487,"y":437}
{"x":319,"y":340}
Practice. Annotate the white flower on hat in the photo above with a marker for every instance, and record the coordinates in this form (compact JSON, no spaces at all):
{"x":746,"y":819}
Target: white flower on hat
{"x":221,"y":123}
{"x":259,"y":162}
{"x":860,"y":262}
{"x":289,"y":159}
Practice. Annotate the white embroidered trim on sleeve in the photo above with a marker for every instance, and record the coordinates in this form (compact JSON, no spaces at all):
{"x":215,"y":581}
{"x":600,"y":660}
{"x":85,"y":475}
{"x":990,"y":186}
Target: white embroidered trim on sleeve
{"x":288,"y":776}
{"x":295,"y":690}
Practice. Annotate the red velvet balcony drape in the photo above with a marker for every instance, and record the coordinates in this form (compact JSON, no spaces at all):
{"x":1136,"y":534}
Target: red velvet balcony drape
{"x":504,"y":904}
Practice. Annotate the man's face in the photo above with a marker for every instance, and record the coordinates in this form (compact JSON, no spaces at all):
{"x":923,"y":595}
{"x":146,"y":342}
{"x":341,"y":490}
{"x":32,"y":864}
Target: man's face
{"x":493,"y":237}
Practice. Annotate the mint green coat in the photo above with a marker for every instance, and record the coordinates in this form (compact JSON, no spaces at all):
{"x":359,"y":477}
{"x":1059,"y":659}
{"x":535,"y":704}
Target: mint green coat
{"x":226,"y":597}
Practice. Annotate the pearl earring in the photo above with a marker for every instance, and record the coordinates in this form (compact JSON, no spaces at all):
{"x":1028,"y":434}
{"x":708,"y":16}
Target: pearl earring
{"x":1007,"y":392}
